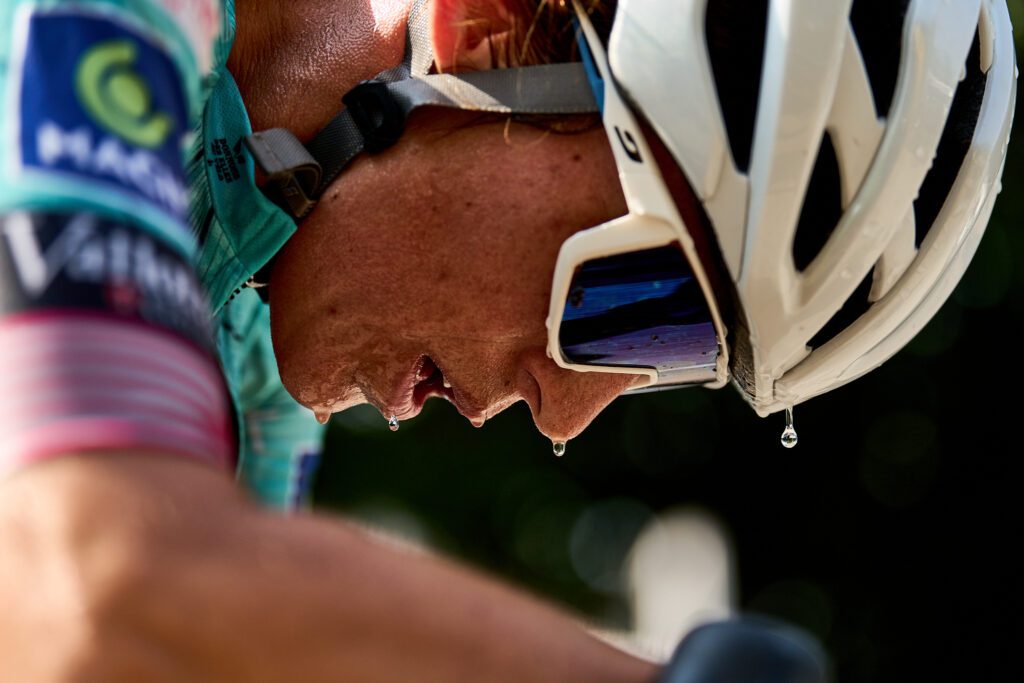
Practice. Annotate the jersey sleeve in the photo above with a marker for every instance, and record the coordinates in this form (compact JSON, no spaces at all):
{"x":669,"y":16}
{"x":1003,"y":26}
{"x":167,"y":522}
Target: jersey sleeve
{"x":105,"y":335}
{"x":280,"y":441}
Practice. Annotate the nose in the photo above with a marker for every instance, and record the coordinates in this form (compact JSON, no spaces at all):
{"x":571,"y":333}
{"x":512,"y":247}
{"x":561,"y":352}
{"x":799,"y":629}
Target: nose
{"x":564,"y":402}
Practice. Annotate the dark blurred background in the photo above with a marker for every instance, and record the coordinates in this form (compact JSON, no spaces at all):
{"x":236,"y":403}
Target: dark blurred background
{"x":891,"y":531}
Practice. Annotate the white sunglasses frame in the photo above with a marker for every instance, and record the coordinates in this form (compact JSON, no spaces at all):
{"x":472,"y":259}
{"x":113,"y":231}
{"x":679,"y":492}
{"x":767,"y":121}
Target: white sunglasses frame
{"x":653,"y":221}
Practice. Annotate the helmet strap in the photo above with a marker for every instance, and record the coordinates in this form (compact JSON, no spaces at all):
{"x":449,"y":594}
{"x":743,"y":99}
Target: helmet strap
{"x":375,"y":112}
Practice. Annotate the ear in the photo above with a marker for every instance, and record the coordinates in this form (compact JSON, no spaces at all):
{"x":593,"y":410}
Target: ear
{"x":473,"y":35}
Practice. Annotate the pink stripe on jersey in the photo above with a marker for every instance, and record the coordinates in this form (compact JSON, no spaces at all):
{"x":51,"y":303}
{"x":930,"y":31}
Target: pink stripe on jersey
{"x":40,"y":370}
{"x":47,"y":384}
{"x":80,"y":382}
{"x":128,"y":341}
{"x":65,"y":436}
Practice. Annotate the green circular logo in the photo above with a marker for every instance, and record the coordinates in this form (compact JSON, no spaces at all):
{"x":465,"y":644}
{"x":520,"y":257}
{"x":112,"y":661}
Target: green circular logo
{"x":117,"y":97}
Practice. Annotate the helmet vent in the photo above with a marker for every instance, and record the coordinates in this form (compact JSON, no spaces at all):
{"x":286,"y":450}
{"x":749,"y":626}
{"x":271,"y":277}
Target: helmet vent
{"x":878,"y":25}
{"x":822,"y":209}
{"x":736,"y":35}
{"x":956,"y":140}
{"x":853,"y":308}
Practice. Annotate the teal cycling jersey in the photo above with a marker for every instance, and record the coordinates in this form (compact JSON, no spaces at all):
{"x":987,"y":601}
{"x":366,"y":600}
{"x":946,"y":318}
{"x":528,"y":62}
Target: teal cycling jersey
{"x":105,"y":132}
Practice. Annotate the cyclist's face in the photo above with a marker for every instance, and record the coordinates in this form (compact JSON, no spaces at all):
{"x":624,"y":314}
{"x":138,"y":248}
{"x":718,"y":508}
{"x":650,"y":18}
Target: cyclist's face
{"x":443,"y":248}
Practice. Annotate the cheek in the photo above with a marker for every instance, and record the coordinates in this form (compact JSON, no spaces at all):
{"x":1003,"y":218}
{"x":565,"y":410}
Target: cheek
{"x":489,"y":277}
{"x":455,"y":260}
{"x":498,"y":230}
{"x":473,"y":257}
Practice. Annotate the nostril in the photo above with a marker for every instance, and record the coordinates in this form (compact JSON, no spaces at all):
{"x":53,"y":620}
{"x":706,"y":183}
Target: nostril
{"x":426,"y":369}
{"x":430,"y":381}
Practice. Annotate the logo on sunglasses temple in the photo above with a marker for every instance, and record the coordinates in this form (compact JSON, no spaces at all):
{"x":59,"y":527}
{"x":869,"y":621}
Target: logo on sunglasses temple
{"x":629,"y":145}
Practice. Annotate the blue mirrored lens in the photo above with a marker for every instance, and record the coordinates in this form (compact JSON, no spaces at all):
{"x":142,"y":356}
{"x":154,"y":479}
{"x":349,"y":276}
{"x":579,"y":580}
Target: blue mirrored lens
{"x":640,"y":309}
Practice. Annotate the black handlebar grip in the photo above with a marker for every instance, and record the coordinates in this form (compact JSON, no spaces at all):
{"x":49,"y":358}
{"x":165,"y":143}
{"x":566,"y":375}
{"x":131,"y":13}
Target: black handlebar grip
{"x":747,"y":651}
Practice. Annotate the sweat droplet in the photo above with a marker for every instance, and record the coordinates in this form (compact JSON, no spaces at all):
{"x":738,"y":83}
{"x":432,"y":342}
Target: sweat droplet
{"x":558,"y":447}
{"x":393,"y":423}
{"x":789,"y":438}
{"x":322,"y":413}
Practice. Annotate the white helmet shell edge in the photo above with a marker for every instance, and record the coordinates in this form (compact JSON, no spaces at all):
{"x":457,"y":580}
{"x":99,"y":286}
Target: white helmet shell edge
{"x":814,"y":81}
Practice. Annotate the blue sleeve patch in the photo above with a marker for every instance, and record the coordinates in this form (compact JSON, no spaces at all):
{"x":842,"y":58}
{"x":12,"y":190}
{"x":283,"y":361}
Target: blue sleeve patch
{"x":98,"y":102}
{"x":308,"y":462}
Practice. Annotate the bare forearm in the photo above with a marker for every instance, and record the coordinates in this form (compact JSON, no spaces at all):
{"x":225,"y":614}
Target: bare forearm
{"x":228,"y":592}
{"x":322,"y":602}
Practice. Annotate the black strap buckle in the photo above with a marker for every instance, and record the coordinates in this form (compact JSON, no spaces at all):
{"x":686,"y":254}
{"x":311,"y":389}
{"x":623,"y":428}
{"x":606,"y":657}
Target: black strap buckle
{"x":289,"y":166}
{"x":377,"y":114}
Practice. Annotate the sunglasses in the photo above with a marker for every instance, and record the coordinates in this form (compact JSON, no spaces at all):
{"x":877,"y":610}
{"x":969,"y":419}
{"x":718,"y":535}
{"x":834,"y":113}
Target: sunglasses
{"x":630,"y":295}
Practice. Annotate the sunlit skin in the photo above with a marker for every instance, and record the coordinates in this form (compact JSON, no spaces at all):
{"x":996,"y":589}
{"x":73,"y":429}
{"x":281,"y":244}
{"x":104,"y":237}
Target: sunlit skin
{"x":442,"y":246}
{"x":445,"y":246}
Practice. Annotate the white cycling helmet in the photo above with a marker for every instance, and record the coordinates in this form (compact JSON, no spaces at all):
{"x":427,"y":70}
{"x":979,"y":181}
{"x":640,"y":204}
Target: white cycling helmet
{"x":847,"y":154}
{"x":840,"y":160}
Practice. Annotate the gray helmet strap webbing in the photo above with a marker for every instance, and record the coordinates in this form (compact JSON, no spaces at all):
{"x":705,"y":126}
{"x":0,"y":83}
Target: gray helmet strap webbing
{"x":376,"y":110}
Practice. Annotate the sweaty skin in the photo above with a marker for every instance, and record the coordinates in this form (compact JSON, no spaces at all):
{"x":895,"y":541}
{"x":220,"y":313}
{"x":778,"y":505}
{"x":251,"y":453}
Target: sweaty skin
{"x":458,"y":267}
{"x":443,"y":246}
{"x":141,"y":566}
